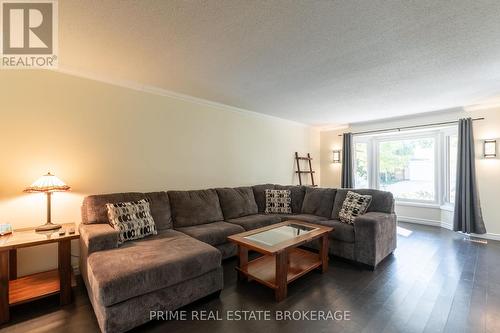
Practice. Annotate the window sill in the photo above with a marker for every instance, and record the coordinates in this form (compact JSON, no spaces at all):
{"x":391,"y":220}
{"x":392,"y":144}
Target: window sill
{"x":448,"y":207}
{"x":418,"y":204}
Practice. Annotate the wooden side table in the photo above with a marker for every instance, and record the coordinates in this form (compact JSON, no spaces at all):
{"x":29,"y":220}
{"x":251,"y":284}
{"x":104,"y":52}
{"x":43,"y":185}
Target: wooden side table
{"x":15,"y":290}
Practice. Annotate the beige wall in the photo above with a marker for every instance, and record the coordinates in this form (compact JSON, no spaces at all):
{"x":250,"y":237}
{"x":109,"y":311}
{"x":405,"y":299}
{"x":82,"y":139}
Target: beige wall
{"x":331,"y":172}
{"x":103,"y":138}
{"x":488,"y":170}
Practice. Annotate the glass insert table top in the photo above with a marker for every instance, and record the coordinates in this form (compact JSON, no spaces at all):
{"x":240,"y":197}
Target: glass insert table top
{"x":277,"y":235}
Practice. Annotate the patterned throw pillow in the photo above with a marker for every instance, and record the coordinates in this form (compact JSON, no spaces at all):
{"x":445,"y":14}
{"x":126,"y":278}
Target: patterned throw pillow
{"x":132,"y":219}
{"x":278,"y":201}
{"x":354,"y":205}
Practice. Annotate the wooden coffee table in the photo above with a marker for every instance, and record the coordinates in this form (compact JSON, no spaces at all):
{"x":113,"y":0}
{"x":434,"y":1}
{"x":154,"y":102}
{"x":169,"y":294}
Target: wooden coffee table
{"x":282,"y":261}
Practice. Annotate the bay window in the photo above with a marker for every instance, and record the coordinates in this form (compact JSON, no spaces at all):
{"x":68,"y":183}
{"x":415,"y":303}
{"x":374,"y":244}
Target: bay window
{"x":418,"y":167}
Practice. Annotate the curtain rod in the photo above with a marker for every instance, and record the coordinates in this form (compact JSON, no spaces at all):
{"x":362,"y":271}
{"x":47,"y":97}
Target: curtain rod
{"x":410,"y":127}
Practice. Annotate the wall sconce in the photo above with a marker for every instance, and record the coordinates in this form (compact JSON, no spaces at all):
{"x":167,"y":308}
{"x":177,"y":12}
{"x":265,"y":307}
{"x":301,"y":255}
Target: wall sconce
{"x":337,"y":155}
{"x":490,"y":148}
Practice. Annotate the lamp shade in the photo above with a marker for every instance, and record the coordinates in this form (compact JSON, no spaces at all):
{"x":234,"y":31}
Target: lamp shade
{"x":48,"y":183}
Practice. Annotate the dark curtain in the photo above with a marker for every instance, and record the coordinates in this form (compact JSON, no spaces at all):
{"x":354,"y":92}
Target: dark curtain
{"x":347,"y":174}
{"x":468,"y":217}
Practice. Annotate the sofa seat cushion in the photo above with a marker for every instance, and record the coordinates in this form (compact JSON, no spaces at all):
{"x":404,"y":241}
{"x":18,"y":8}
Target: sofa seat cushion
{"x":342,"y":231}
{"x":251,"y":222}
{"x":142,"y":266}
{"x":212,"y":233}
{"x":307,"y":218}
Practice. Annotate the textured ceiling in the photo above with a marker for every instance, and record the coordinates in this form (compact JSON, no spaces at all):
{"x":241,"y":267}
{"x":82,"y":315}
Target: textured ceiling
{"x":316,"y":62}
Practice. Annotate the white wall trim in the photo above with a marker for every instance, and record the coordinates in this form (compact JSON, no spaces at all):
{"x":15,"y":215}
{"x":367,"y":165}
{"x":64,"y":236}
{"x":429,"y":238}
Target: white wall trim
{"x":448,"y":226}
{"x":488,"y":235}
{"x":415,"y":220}
{"x":167,"y":93}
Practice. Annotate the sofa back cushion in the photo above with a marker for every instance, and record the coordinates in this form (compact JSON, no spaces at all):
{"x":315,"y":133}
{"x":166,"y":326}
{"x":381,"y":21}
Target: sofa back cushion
{"x":94,"y":206}
{"x":237,"y":202}
{"x":194,"y":207}
{"x":319,"y":201}
{"x":297,"y":192}
{"x":382,"y":202}
{"x":160,"y":210}
{"x":259,"y":193}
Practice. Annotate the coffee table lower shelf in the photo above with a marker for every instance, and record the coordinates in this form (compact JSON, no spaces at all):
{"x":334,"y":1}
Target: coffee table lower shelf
{"x":263,"y":269}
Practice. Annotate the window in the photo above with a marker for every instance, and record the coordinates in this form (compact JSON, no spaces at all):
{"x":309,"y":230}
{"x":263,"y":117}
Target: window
{"x":417,"y":167}
{"x":407,"y":168}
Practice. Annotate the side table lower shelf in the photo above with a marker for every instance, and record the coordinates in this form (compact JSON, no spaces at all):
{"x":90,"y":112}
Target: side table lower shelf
{"x":14,"y":290}
{"x":36,"y":286}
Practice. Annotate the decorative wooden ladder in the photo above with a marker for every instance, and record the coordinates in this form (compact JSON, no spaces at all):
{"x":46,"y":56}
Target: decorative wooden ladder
{"x":308,"y":158}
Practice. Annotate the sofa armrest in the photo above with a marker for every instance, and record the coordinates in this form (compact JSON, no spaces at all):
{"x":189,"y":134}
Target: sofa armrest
{"x":98,"y":237}
{"x":375,"y":237}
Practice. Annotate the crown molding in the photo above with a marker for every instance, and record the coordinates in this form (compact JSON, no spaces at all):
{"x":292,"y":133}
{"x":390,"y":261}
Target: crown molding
{"x":331,"y":128}
{"x":128,"y":84}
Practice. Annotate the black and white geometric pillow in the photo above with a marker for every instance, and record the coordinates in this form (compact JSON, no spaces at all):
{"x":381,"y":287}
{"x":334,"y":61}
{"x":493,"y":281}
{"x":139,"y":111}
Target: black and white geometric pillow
{"x":132,"y":219}
{"x":278,"y":201}
{"x":354,"y":205}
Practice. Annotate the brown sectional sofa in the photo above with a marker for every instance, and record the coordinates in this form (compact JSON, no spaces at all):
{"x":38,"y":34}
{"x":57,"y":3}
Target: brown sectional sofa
{"x":183,"y":262}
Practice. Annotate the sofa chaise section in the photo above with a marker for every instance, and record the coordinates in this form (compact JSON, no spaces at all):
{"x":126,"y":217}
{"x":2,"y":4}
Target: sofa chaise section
{"x":160,"y":272}
{"x":199,"y":215}
{"x":144,"y":268}
{"x":127,"y":315}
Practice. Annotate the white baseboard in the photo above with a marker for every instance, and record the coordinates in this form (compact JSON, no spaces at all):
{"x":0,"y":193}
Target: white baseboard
{"x":488,"y":235}
{"x":448,"y":226}
{"x":444,"y":225}
{"x":416,"y":220}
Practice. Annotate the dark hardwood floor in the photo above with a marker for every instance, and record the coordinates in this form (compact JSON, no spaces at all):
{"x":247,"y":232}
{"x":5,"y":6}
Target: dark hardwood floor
{"x":434,"y":282}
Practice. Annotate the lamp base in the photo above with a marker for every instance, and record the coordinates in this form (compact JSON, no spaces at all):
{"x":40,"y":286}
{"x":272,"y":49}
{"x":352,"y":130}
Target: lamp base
{"x":48,"y":226}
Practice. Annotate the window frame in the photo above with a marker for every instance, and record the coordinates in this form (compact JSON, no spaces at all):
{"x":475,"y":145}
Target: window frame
{"x":447,"y":134}
{"x":442,"y":182}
